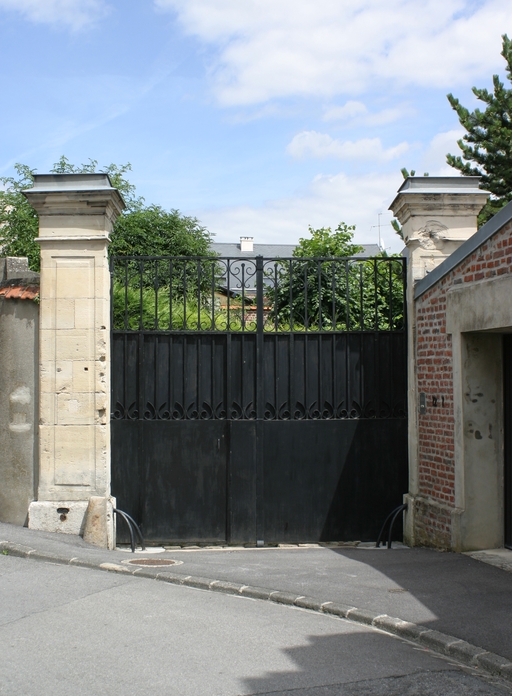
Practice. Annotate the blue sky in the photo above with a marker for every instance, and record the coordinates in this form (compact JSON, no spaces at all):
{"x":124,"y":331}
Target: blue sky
{"x":260,"y":117}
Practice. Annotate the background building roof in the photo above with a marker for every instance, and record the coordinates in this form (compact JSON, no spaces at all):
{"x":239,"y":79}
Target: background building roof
{"x":274,"y":250}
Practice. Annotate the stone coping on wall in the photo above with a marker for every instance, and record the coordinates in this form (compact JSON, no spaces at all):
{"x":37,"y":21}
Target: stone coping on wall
{"x":468,"y":247}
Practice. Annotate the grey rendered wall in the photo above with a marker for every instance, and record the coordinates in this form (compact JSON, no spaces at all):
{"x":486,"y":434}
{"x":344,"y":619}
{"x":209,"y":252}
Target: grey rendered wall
{"x":19,"y":325}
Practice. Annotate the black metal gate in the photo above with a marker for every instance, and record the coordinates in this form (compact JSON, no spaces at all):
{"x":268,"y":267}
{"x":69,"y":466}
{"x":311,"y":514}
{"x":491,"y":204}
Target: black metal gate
{"x":258,"y":399}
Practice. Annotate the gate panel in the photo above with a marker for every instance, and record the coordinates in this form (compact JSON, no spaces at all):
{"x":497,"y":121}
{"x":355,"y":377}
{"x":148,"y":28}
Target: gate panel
{"x":332,"y":480}
{"x":243,"y":453}
{"x":256,"y":417}
{"x":186,"y":479}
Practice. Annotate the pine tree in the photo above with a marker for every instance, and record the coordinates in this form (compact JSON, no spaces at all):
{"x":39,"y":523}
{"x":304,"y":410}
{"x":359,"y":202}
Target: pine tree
{"x":487,"y":145}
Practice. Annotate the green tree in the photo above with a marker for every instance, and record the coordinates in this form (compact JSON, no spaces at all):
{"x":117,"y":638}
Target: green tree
{"x":140,"y":230}
{"x":153,"y":231}
{"x":18,"y":220}
{"x":324,"y":242}
{"x":116,"y":172}
{"x":324,"y":288}
{"x":487,"y":145}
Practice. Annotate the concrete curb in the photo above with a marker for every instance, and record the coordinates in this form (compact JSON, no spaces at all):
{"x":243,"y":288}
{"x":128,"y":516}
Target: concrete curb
{"x":453,"y":647}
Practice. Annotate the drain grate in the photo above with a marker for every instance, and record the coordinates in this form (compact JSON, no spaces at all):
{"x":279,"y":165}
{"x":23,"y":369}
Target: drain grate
{"x":153,"y":562}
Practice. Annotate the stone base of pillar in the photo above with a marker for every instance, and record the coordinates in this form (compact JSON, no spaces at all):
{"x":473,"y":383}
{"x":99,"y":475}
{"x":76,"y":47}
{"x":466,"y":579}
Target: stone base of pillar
{"x":99,"y":527}
{"x":93,"y":519}
{"x":65,"y":516}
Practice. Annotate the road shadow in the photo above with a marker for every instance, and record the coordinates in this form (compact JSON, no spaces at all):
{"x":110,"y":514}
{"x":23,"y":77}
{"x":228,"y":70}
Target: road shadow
{"x":366,"y":663}
{"x":466,"y":597}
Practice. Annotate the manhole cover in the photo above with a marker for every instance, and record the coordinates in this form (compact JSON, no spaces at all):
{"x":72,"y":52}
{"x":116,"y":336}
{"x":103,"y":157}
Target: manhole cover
{"x":153,"y":562}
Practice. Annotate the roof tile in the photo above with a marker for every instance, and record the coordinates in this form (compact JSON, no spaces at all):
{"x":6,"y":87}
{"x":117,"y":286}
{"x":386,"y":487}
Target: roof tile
{"x":19,"y":292}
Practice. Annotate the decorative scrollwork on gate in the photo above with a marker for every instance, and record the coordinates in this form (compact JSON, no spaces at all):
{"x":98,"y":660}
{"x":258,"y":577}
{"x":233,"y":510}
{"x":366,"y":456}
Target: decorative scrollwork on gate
{"x":150,"y":412}
{"x":122,"y":413}
{"x":400,"y":409}
{"x":368,"y":410}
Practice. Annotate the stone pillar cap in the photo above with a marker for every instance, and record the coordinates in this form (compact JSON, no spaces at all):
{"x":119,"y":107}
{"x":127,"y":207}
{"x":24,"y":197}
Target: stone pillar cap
{"x":71,"y":182}
{"x":438,"y":185}
{"x":74,"y":194}
{"x":441,"y":184}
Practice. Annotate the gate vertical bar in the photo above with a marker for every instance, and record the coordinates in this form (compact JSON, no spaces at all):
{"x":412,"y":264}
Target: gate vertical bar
{"x":260,"y":407}
{"x":143,"y":473}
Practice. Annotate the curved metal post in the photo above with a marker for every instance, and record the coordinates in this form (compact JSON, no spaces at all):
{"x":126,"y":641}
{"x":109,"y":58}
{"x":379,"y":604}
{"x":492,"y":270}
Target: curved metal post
{"x":392,"y":516}
{"x":137,"y":529}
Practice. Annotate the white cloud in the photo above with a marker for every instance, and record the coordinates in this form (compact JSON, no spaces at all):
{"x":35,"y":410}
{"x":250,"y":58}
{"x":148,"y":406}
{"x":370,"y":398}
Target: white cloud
{"x":434,"y":158}
{"x":346,"y":112}
{"x":387,"y":116}
{"x":321,"y":145}
{"x":74,"y":13}
{"x":355,"y":112}
{"x":266,"y":49}
{"x":327,"y":201}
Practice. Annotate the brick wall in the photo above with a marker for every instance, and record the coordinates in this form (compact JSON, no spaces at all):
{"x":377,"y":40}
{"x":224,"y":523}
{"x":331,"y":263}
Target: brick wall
{"x":434,"y":372}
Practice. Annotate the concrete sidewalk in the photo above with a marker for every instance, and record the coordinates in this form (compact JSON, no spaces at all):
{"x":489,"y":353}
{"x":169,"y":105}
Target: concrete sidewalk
{"x":450,"y":603}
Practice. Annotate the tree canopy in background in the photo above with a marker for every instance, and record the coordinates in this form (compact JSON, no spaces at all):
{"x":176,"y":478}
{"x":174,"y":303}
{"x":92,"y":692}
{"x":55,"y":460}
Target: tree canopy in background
{"x":487,"y":145}
{"x":324,"y":242}
{"x":153,"y":231}
{"x":338,"y":293}
{"x":18,"y":220}
{"x":140,"y":230}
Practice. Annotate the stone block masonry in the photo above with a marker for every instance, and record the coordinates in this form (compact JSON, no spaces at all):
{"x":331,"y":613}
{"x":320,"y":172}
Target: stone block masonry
{"x":76,"y":214}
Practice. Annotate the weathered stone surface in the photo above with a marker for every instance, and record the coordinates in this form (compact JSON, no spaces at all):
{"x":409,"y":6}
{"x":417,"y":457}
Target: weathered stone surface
{"x":13,"y":549}
{"x":437,"y":640}
{"x":116,"y":568}
{"x":227,"y":587}
{"x":66,"y":516}
{"x":361,"y":616}
{"x":283,"y":597}
{"x":337,"y":608}
{"x":98,"y":527}
{"x":386,"y":623}
{"x":18,"y":407}
{"x":495,"y":664}
{"x":200,"y":583}
{"x":16,"y":268}
{"x":464,"y":651}
{"x":308,"y":603}
{"x":410,"y":630}
{"x":172,"y":578}
{"x":255,"y":592}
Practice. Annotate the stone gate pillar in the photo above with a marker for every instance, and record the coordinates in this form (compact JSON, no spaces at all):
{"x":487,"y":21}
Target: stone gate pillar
{"x":437,"y":215}
{"x":76,"y":215}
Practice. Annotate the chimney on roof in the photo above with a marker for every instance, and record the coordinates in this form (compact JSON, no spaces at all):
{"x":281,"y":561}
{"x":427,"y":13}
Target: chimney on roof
{"x":246,"y":243}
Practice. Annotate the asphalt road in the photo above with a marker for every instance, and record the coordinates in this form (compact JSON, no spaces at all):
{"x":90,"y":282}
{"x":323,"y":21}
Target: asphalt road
{"x":447,"y":592}
{"x":80,"y":631}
